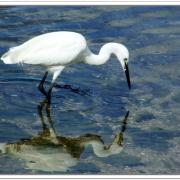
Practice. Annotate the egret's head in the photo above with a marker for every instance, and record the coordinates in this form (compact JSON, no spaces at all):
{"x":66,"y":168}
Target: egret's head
{"x":123,"y":57}
{"x":119,"y":50}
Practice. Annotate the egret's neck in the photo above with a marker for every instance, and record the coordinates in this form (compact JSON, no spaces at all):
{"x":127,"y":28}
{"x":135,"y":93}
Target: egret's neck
{"x":104,"y":54}
{"x":100,"y":150}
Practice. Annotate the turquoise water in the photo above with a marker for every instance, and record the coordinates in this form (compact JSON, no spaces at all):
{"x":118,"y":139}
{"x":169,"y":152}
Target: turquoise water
{"x":93,"y":110}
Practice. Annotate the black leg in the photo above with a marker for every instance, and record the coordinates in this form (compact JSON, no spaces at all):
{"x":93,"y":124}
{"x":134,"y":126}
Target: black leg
{"x":49,"y":93}
{"x":41,"y":117}
{"x":41,"y":87}
{"x":49,"y":117}
{"x":40,"y":113}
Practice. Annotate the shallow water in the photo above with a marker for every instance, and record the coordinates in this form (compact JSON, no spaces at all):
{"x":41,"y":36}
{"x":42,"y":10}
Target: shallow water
{"x":149,"y":139}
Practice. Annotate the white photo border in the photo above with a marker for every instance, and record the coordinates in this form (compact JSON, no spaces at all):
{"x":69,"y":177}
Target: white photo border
{"x":89,"y":2}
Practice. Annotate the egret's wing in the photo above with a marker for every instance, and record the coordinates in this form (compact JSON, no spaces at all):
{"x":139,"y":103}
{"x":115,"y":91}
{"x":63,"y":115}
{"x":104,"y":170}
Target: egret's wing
{"x":53,"y":55}
{"x":57,"y":48}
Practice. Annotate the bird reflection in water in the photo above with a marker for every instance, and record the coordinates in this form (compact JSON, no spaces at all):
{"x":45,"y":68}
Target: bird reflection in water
{"x":50,"y":152}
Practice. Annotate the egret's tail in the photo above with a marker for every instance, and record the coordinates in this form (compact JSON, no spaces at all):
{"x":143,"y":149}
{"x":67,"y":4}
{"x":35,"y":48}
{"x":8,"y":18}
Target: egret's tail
{"x":6,"y":58}
{"x":2,"y":147}
{"x":11,"y":57}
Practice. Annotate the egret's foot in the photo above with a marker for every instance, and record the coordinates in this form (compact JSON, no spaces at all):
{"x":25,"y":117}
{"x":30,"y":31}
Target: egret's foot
{"x":75,"y":90}
{"x":42,"y":90}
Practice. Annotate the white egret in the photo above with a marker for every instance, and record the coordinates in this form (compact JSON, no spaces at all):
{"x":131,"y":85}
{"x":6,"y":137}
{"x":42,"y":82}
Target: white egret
{"x":56,"y":50}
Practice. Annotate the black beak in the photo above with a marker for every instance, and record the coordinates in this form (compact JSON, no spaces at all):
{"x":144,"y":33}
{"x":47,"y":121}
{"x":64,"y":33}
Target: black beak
{"x":127,"y":75}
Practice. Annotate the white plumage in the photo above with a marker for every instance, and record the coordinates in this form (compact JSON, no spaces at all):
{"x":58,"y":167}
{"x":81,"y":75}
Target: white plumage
{"x":48,"y":49}
{"x":56,"y":50}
